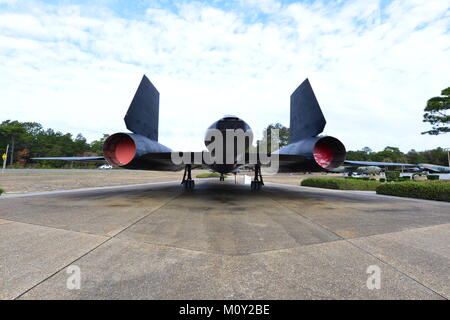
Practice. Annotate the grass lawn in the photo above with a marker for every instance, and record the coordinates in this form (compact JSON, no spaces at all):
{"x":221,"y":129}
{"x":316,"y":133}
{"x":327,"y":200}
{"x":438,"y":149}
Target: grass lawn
{"x":209,"y":175}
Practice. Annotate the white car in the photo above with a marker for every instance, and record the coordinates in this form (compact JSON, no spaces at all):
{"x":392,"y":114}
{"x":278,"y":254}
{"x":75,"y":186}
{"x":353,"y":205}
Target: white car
{"x":105,"y":167}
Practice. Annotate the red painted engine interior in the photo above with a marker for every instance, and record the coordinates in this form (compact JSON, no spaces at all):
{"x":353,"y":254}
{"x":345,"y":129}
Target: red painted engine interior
{"x":119,"y":149}
{"x":323,"y":153}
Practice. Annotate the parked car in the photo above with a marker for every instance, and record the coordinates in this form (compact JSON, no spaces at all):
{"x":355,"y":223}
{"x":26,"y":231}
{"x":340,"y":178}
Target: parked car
{"x":105,"y":167}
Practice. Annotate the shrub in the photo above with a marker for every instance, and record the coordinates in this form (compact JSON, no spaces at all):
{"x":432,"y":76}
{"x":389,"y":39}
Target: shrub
{"x":340,"y":184}
{"x":433,"y":177}
{"x":382,"y":179}
{"x":392,"y":175}
{"x":423,"y":190}
{"x":1,"y":191}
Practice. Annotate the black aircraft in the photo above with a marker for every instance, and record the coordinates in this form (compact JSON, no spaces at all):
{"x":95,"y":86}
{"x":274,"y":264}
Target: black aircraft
{"x":140,"y":150}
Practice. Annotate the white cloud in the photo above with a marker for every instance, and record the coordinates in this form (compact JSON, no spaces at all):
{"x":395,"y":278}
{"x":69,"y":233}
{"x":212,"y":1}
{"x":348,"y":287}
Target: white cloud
{"x":75,"y":69}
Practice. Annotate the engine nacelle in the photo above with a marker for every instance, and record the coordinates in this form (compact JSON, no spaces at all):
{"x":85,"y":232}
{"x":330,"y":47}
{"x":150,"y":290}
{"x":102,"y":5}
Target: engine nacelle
{"x":325,"y":152}
{"x":120,"y":149}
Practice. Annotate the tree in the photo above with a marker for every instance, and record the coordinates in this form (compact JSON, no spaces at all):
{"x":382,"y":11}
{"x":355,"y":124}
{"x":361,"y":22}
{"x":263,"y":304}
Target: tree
{"x":97,"y":145}
{"x":12,"y":130}
{"x":415,"y":157}
{"x":283,"y":136}
{"x":361,"y":155}
{"x":389,"y":154}
{"x":28,"y":140}
{"x":437,"y":113}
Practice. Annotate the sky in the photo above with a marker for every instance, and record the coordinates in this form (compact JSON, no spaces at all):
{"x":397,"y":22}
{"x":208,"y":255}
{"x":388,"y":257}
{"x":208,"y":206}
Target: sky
{"x":74,"y":66}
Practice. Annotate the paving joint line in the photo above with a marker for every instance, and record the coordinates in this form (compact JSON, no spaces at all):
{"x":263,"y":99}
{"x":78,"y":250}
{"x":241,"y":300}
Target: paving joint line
{"x":91,"y":250}
{"x":367,"y":252}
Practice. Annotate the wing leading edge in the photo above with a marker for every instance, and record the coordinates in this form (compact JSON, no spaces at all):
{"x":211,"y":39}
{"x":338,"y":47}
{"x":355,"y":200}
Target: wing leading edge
{"x":72,"y":158}
{"x":374,"y":163}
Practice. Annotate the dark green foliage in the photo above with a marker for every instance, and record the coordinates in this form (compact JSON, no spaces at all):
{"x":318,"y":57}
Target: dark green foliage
{"x":433,"y":177}
{"x":437,"y":113}
{"x":436,"y":156}
{"x":423,"y":190}
{"x":1,"y":191}
{"x":29,"y":139}
{"x":382,"y":180}
{"x":392,"y":154}
{"x":364,"y":154}
{"x":392,"y":175}
{"x":340,"y":184}
{"x":283,"y":138}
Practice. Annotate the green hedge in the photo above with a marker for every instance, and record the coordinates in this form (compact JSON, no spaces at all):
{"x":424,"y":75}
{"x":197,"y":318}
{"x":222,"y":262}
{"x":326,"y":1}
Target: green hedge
{"x":432,"y":177}
{"x":341,"y":184}
{"x":1,"y":191}
{"x":400,"y":179}
{"x":423,"y":190}
{"x":392,"y":175}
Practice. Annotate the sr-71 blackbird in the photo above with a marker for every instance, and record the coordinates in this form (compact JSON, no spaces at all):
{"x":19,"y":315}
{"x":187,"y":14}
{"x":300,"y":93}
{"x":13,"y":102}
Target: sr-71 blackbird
{"x":306,"y":151}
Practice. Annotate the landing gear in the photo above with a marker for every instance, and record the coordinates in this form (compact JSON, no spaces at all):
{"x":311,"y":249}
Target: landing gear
{"x":222,"y":178}
{"x":189,"y":182}
{"x":258,"y":182}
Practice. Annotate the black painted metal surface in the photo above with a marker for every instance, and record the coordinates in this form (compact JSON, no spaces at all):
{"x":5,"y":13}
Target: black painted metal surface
{"x":307,"y":119}
{"x":143,"y":114}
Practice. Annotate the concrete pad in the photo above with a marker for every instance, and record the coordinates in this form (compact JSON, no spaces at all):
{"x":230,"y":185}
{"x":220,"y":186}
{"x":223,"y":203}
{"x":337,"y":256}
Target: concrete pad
{"x":29,"y":254}
{"x":102,"y":212}
{"x":4,"y":221}
{"x":222,"y":241}
{"x":130,"y":270}
{"x":423,"y":254}
{"x":352,"y":215}
{"x":226,"y":219}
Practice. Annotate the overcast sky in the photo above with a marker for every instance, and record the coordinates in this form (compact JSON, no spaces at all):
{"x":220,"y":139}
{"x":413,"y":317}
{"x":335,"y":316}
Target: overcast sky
{"x":74,"y":65}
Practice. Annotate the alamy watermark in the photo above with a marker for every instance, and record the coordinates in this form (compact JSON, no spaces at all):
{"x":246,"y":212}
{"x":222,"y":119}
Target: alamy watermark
{"x":232,"y":147}
{"x":74,"y":280}
{"x":374,"y":279}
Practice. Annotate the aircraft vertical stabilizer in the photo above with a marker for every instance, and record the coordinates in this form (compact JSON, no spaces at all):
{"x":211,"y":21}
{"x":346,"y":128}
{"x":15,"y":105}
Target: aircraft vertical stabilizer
{"x":307,"y":119}
{"x":143,"y":114}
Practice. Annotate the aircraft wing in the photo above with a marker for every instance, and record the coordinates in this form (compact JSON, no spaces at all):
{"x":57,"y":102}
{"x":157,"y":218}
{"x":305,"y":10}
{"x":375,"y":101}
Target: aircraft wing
{"x":284,"y":162}
{"x":72,"y":158}
{"x":378,"y":164}
{"x":163,"y":161}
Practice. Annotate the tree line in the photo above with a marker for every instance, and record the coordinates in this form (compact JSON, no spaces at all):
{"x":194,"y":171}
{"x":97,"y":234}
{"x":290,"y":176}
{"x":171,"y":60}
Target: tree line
{"x":389,"y":154}
{"x":29,"y":139}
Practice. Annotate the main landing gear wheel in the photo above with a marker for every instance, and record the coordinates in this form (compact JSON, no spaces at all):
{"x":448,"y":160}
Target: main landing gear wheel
{"x":222,"y":178}
{"x":256,"y":185}
{"x":187,"y":182}
{"x":258,"y":182}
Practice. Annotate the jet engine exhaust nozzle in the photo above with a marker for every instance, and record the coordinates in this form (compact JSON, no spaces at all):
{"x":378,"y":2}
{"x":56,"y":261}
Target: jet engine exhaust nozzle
{"x":329,"y":152}
{"x":119,"y":149}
